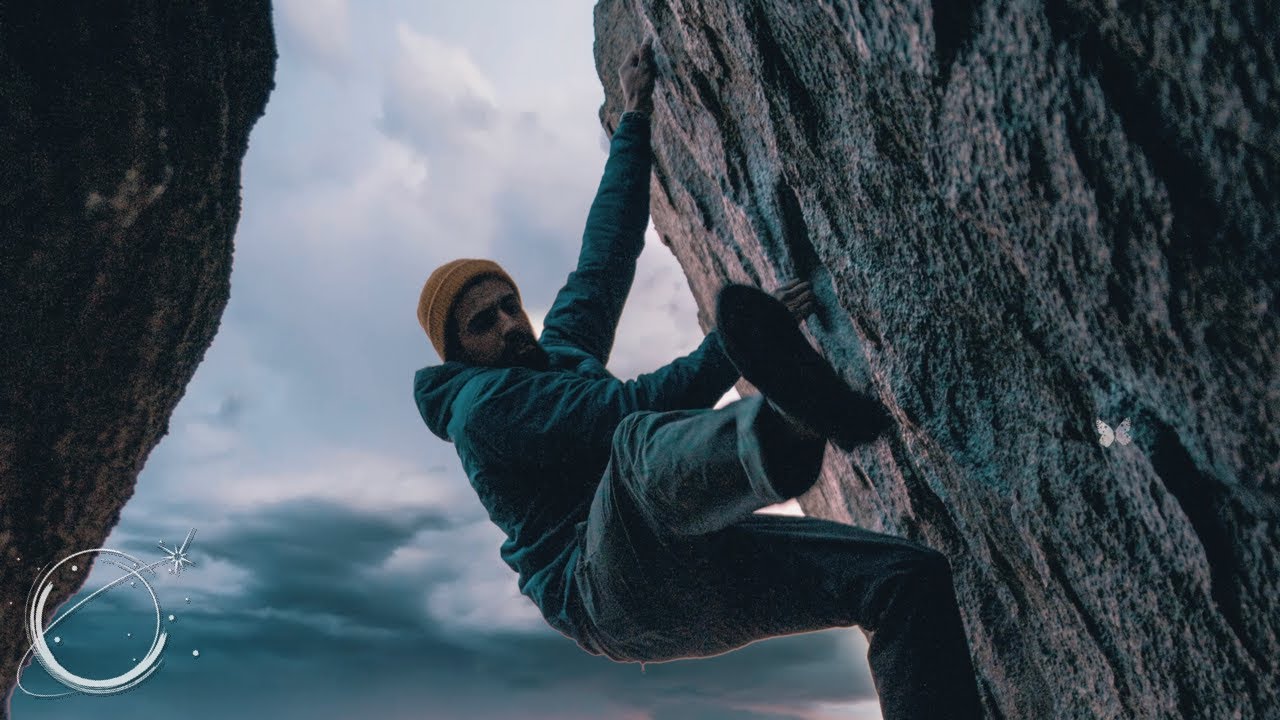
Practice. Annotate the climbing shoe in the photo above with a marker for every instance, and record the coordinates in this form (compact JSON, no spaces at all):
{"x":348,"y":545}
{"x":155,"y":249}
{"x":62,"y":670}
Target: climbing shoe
{"x":765,"y":344}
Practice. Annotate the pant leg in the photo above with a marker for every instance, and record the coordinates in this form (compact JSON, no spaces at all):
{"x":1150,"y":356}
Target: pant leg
{"x":696,"y":471}
{"x":677,"y":565}
{"x":671,"y":478}
{"x":772,"y":575}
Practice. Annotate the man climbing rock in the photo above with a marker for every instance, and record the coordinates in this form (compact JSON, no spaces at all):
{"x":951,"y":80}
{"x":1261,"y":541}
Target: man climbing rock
{"x":629,"y":505}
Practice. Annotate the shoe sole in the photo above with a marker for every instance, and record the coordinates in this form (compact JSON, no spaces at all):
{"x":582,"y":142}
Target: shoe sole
{"x":765,"y":344}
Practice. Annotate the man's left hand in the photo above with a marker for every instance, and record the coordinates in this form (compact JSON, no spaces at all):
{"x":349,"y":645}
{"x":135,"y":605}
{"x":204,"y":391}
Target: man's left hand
{"x":636,"y":75}
{"x":797,"y":295}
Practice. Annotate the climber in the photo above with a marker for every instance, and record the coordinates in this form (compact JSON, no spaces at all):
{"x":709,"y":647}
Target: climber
{"x":629,"y":505}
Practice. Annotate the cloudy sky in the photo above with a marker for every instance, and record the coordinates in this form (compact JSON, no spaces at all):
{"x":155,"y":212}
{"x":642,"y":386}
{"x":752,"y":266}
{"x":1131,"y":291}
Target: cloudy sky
{"x":344,"y":566}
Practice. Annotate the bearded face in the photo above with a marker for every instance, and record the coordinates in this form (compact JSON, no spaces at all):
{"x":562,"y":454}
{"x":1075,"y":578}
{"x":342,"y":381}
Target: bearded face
{"x":494,"y":330}
{"x":522,"y":350}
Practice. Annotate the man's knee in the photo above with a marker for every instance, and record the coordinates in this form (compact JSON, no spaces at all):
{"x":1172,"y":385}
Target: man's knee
{"x":929,"y":566}
{"x":628,"y":463}
{"x":628,"y":439}
{"x":922,"y":568}
{"x":915,"y":577}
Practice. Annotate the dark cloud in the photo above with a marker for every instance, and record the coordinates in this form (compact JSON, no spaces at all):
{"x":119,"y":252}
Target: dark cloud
{"x":230,"y":410}
{"x":705,"y":711}
{"x":313,"y":633}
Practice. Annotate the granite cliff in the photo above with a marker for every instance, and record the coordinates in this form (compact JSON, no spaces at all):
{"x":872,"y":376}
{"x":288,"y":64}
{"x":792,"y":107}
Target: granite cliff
{"x":1020,"y":216}
{"x":124,"y":125}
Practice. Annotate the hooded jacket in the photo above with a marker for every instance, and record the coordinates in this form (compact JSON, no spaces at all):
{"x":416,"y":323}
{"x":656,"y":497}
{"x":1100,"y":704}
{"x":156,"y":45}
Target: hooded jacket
{"x":535,"y":443}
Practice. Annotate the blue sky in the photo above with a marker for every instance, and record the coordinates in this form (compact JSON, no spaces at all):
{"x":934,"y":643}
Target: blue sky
{"x":343,"y":563}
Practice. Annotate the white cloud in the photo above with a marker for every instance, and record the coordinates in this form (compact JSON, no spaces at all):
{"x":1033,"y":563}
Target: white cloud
{"x":483,"y":603}
{"x":471,"y":589}
{"x":442,"y":70}
{"x":660,"y":321}
{"x":861,"y":710}
{"x":388,"y":198}
{"x":729,"y":397}
{"x":205,"y":441}
{"x":438,"y":97}
{"x":790,"y":507}
{"x":322,"y":28}
{"x":352,"y":477}
{"x":502,"y":183}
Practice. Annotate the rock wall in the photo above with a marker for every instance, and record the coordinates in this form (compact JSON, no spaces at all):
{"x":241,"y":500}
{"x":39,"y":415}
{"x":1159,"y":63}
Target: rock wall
{"x":1020,"y":216}
{"x":124,"y":125}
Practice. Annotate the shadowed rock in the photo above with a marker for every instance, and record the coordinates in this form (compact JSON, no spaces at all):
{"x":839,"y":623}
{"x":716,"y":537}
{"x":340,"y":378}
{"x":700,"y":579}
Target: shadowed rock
{"x":1020,"y":217}
{"x":124,"y":125}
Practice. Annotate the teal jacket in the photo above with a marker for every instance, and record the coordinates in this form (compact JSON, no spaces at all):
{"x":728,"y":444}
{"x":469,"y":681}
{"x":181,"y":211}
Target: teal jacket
{"x":535,"y":443}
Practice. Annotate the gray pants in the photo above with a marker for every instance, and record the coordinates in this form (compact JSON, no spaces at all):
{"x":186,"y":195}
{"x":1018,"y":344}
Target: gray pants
{"x":676,"y":565}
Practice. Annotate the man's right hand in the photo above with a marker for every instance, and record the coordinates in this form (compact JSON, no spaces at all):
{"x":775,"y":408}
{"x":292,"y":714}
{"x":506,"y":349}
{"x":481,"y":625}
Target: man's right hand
{"x":798,"y":296}
{"x":637,"y":75}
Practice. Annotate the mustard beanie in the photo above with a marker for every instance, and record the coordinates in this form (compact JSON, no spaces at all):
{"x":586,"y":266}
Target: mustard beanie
{"x":442,"y":289}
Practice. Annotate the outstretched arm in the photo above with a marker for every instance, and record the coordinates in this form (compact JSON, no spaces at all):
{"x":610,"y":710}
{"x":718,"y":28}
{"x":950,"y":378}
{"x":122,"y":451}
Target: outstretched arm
{"x":696,"y":380}
{"x":586,"y":311}
{"x":545,"y":420}
{"x":700,"y":378}
{"x":559,"y":420}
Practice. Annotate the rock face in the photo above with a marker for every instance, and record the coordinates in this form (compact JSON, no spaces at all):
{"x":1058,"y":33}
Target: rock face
{"x":1020,"y":217}
{"x":124,"y":125}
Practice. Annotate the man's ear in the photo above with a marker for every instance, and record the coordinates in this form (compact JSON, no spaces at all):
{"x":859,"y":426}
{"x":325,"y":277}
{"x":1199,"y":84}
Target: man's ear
{"x":452,"y":344}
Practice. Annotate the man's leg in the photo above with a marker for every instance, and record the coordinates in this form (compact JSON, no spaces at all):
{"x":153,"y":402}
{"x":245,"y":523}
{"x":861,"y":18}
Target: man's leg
{"x":765,"y":344}
{"x":674,"y":477}
{"x":693,"y":472}
{"x":677,"y":565}
{"x":771,"y":575}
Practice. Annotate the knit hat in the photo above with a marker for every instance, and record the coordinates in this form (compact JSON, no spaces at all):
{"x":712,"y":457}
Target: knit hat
{"x":443,"y":288}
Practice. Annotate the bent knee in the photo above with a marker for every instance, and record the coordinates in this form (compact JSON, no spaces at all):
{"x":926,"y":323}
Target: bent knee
{"x":628,"y":436}
{"x":923,"y":567}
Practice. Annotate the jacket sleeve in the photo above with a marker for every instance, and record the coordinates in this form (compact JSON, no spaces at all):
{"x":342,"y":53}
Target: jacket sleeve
{"x":586,"y":310}
{"x":545,"y":422}
{"x":696,"y":380}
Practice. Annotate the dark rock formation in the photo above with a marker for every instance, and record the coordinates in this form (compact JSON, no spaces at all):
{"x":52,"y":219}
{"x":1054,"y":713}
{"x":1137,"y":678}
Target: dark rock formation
{"x":1020,"y":216}
{"x":123,"y":127}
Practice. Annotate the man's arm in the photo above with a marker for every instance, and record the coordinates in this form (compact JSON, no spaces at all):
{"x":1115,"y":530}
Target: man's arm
{"x":545,"y":420}
{"x":586,"y":311}
{"x":696,"y":380}
{"x":702,"y":377}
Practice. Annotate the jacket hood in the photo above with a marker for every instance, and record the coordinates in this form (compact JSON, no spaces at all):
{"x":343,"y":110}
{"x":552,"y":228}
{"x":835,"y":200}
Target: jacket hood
{"x":434,"y":390}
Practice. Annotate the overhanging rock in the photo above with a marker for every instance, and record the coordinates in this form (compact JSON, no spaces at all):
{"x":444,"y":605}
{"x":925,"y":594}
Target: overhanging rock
{"x":1020,"y":217}
{"x":124,"y":125}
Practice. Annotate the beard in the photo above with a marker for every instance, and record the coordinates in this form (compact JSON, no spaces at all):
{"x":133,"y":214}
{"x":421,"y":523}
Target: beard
{"x":524,"y":351}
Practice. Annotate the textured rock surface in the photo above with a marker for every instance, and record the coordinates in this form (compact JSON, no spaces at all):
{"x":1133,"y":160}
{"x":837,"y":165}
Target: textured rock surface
{"x":1020,"y":216}
{"x":123,"y":125}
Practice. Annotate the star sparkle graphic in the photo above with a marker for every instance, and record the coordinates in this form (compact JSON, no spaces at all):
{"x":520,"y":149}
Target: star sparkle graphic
{"x":179,"y":557}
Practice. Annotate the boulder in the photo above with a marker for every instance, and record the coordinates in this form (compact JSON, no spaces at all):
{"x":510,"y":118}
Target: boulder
{"x":124,"y":125}
{"x":1020,"y":217}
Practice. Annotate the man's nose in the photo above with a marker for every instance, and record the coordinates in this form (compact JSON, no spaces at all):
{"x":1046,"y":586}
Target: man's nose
{"x":509,"y":324}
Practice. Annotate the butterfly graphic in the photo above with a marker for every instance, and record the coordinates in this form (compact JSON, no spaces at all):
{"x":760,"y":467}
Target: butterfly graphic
{"x":1121,"y":433}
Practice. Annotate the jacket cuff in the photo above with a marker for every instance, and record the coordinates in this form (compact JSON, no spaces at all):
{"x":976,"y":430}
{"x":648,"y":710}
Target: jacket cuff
{"x":722,"y":368}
